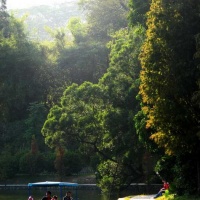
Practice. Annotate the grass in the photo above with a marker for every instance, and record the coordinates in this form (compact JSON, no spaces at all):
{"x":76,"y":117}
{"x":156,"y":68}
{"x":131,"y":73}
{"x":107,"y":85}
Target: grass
{"x":174,"y":197}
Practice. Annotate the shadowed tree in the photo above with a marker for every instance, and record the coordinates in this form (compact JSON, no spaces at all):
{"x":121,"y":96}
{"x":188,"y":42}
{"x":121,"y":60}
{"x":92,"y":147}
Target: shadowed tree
{"x":105,"y":17}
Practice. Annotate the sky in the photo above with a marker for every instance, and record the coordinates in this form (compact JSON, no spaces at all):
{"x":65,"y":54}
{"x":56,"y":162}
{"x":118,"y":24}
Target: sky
{"x":18,"y":4}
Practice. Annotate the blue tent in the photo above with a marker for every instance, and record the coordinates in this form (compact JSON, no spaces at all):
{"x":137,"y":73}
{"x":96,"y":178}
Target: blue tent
{"x":54,"y":184}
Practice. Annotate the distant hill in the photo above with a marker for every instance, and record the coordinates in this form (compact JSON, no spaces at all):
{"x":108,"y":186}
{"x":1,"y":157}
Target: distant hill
{"x":52,"y":16}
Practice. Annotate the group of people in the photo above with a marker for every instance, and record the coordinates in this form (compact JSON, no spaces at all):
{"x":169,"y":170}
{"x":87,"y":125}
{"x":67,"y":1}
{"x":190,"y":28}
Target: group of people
{"x":48,"y":196}
{"x":69,"y":194}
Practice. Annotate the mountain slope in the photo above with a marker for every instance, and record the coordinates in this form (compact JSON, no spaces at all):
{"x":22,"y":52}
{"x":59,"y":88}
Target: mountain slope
{"x":52,"y":16}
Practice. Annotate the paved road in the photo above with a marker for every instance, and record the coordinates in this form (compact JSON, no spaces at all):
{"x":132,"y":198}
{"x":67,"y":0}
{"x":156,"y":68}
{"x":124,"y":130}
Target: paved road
{"x":140,"y":197}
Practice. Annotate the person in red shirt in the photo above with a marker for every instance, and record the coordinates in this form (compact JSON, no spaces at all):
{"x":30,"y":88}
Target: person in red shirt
{"x":163,"y":189}
{"x":165,"y":185}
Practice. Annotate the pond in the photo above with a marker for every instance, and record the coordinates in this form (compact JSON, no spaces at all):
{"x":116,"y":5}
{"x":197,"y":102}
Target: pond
{"x":82,"y":195}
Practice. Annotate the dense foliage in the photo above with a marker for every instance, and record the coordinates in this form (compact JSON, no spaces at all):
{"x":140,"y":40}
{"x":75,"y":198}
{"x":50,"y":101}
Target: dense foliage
{"x":100,"y":116}
{"x":169,"y":78}
{"x":121,"y":94}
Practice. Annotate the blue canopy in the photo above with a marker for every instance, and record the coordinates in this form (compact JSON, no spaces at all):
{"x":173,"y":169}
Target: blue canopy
{"x":53,"y":184}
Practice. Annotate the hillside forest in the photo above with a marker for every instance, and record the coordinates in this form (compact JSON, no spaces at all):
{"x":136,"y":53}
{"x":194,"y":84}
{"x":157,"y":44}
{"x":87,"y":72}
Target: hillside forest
{"x":117,"y":90}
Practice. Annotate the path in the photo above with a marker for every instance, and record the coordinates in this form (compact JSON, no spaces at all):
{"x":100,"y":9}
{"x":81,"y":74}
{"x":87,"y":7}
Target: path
{"x":138,"y":197}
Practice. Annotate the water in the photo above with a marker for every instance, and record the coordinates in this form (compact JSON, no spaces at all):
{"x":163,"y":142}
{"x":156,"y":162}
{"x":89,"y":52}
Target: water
{"x":82,"y":195}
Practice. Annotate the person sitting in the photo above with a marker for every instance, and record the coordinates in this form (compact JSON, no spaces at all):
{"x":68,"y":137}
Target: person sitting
{"x":163,"y":189}
{"x":48,"y":196}
{"x":68,"y":196}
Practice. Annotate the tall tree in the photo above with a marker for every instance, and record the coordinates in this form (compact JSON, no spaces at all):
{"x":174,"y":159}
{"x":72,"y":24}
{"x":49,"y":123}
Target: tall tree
{"x":83,"y":62}
{"x":100,"y":116}
{"x":120,"y":84}
{"x":138,"y":10}
{"x":3,"y":4}
{"x":105,"y":17}
{"x":3,"y":18}
{"x":196,"y":95}
{"x":168,"y":81}
{"x":19,"y":71}
{"x":23,"y":80}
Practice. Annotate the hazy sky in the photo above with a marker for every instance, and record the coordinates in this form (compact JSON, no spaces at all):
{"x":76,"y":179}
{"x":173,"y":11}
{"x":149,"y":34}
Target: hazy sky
{"x":16,"y":4}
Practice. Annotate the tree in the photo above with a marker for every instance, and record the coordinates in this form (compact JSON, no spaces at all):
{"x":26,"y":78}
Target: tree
{"x":59,"y":163}
{"x":24,"y":79}
{"x":99,"y":117}
{"x":34,"y":122}
{"x":168,"y":81}
{"x":32,"y":162}
{"x":8,"y":165}
{"x":3,"y":16}
{"x":120,"y":84}
{"x":65,"y":123}
{"x":105,"y":17}
{"x":138,"y":10}
{"x":3,"y":4}
{"x":196,"y":95}
{"x":78,"y":29}
{"x":76,"y":58}
{"x":85,"y":62}
{"x":19,"y":72}
{"x":68,"y":162}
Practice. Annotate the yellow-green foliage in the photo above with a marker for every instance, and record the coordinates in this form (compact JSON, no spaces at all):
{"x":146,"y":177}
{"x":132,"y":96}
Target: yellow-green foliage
{"x":174,"y":197}
{"x":170,"y":197}
{"x":163,"y":60}
{"x":127,"y":198}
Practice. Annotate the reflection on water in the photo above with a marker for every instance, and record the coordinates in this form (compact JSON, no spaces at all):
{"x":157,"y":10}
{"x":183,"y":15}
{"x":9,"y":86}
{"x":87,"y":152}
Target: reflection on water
{"x":38,"y":194}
